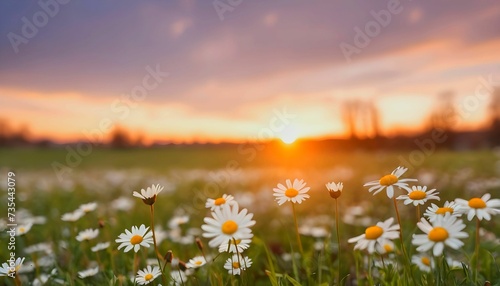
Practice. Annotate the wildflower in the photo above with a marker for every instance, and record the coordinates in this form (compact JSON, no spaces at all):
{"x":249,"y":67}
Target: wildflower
{"x":423,"y":262}
{"x":23,"y":229}
{"x":219,"y":202}
{"x":6,"y":269}
{"x":236,"y":263}
{"x":296,"y":192}
{"x":39,"y":247}
{"x":147,"y":275}
{"x":86,"y":208}
{"x":227,"y":223}
{"x":73,"y":216}
{"x":445,"y":230}
{"x":419,"y":195}
{"x":334,"y":189}
{"x":196,"y":262}
{"x":100,"y":246}
{"x":122,"y":204}
{"x":235,"y":245}
{"x":389,"y":181}
{"x":148,"y":196}
{"x":135,"y":238}
{"x":178,"y":277}
{"x":87,"y":234}
{"x":376,"y":236}
{"x":177,"y":221}
{"x":88,"y":272}
{"x":482,"y":207}
{"x":449,"y":207}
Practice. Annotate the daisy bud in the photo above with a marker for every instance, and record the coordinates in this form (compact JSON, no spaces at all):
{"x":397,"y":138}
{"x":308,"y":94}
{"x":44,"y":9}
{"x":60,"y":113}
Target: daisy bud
{"x":182,"y":265}
{"x":169,"y":256}
{"x":334,"y":189}
{"x":148,"y":196}
{"x":199,"y":243}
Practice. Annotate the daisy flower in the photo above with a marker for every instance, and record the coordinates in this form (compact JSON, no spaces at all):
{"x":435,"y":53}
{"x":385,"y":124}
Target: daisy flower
{"x":88,"y":272}
{"x":196,"y":262}
{"x":23,"y":229}
{"x":147,"y":275}
{"x":219,"y":202}
{"x":39,"y":247}
{"x":178,"y":277}
{"x":177,"y":221}
{"x":86,"y":208}
{"x":423,"y":261}
{"x":376,"y":236}
{"x":73,"y":216}
{"x":236,"y":263}
{"x":227,"y":223}
{"x":122,"y":204}
{"x":148,"y":196}
{"x":482,"y":207}
{"x":389,"y":181}
{"x":87,"y":234}
{"x":7,"y":270}
{"x":137,"y":237}
{"x":296,"y":192}
{"x":232,"y":247}
{"x":100,"y":246}
{"x":445,"y":230}
{"x":449,"y":207}
{"x":418,"y":195}
{"x":334,"y":189}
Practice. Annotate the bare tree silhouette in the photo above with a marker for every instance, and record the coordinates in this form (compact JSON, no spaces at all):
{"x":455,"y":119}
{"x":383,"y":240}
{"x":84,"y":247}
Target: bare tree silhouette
{"x":120,"y":138}
{"x":494,"y":109}
{"x":349,"y":115}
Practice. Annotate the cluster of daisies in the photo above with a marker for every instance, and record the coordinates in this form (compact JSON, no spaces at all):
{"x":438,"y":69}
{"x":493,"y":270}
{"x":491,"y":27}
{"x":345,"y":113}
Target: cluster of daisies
{"x":442,"y":226}
{"x":228,"y":228}
{"x":43,"y":253}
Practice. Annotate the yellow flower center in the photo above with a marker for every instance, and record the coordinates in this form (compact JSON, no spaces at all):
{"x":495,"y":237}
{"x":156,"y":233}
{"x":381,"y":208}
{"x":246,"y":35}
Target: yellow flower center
{"x":373,"y":232}
{"x":444,"y":210}
{"x":235,"y":243}
{"x":425,"y":260}
{"x":220,"y":201}
{"x":387,"y":247}
{"x":136,"y":239}
{"x":477,"y":203}
{"x":236,"y":265}
{"x":438,"y":234}
{"x":291,"y":193}
{"x":22,"y":229}
{"x":229,"y":227}
{"x":148,"y":277}
{"x":388,"y":180}
{"x":417,"y":195}
{"x":198,"y":262}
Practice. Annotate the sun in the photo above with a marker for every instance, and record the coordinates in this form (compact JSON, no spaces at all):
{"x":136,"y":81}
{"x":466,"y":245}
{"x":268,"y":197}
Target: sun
{"x":288,"y":136}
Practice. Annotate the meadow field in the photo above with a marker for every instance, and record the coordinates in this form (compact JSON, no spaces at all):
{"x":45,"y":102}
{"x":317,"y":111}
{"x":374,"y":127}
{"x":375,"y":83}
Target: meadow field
{"x":54,"y":207}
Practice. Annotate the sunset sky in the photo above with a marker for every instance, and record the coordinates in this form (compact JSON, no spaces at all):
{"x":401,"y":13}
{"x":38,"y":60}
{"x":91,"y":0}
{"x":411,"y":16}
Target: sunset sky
{"x":230,"y":72}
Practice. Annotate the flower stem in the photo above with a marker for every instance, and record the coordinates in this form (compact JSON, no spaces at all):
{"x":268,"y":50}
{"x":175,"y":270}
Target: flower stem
{"x":476,"y":251}
{"x":297,"y":229}
{"x":338,"y":238}
{"x":157,"y":254}
{"x":418,"y":213}
{"x":407,"y":260}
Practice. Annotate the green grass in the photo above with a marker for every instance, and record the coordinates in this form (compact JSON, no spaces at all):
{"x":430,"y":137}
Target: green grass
{"x":191,"y":171}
